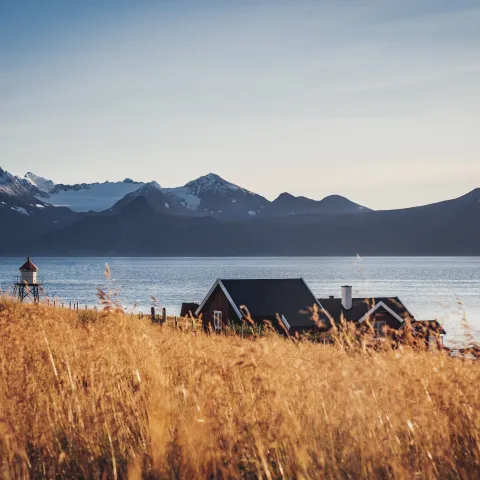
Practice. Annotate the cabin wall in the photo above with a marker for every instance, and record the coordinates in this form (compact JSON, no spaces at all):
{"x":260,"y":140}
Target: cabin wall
{"x":432,"y":339}
{"x":382,"y":315}
{"x":293,"y":330}
{"x":217,"y":301}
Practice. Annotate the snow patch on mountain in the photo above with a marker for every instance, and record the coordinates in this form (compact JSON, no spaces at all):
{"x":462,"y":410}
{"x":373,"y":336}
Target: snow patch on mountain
{"x":92,"y":197}
{"x":186,"y":198}
{"x":20,"y":210}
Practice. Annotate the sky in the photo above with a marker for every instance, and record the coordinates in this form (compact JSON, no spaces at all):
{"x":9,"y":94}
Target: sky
{"x":376,"y":100}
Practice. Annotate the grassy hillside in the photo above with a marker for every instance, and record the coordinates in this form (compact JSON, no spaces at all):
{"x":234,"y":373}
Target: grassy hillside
{"x":108,"y":396}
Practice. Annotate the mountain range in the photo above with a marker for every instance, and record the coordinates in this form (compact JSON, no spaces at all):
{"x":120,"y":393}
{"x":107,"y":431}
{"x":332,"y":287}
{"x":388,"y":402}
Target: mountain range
{"x":211,"y":216}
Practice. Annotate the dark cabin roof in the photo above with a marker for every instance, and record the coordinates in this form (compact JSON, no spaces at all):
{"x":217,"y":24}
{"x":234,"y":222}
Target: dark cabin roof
{"x":28,"y":266}
{"x":361,"y":306}
{"x":264,"y":298}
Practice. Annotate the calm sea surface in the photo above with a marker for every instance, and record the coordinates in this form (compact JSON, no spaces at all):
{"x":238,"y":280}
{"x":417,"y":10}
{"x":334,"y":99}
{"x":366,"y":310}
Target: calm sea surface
{"x":446,"y":288}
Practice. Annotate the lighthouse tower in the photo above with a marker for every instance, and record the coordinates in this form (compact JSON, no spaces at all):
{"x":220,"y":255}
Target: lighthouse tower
{"x":27,"y":285}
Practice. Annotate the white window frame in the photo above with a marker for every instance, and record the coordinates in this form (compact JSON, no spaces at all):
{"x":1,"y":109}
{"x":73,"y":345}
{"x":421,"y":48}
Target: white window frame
{"x":379,"y":326}
{"x":217,"y":320}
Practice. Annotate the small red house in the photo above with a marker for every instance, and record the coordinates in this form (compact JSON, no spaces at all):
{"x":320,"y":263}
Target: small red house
{"x":290,"y":299}
{"x":383,"y":313}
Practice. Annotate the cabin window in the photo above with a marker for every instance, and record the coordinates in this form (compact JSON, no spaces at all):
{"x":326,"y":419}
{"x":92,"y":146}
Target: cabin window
{"x":217,"y":320}
{"x":380,"y":326}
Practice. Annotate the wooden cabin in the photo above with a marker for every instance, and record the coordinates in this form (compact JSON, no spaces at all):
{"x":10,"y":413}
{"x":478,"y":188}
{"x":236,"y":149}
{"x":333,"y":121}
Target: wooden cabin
{"x":383,"y":314}
{"x":286,"y":300}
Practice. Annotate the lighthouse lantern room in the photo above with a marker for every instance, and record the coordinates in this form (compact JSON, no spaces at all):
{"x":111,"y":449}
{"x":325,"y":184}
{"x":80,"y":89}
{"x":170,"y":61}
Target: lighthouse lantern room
{"x":27,"y":285}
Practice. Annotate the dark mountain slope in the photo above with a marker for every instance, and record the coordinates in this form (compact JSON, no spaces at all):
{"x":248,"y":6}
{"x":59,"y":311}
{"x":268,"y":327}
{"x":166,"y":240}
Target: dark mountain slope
{"x":446,"y":228}
{"x":154,"y":198}
{"x":24,"y":218}
{"x":286,"y":205}
{"x":136,"y":230}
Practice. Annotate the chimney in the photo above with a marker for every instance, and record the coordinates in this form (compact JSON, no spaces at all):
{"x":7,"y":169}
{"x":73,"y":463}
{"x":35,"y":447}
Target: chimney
{"x":347,"y":297}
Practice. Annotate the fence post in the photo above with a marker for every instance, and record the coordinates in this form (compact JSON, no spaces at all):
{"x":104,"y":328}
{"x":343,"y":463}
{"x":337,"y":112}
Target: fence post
{"x":164,"y":315}
{"x":176,"y":323}
{"x":152,"y":314}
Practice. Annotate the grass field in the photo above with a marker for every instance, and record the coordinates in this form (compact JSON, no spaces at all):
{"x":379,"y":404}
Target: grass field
{"x":105,"y":395}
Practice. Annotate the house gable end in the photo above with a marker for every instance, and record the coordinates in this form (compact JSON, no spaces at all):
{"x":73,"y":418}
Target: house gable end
{"x":219,"y":284}
{"x":386,"y":308}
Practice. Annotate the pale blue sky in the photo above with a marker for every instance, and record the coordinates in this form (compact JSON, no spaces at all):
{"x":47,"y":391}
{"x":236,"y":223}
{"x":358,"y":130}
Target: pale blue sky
{"x":377,"y":100}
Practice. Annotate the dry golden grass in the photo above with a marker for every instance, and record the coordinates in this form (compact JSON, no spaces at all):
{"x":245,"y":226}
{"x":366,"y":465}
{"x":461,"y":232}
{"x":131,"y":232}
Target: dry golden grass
{"x":108,"y":396}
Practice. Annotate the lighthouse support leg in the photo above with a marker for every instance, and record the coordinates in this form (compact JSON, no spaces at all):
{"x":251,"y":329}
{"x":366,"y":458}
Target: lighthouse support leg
{"x":21,"y":292}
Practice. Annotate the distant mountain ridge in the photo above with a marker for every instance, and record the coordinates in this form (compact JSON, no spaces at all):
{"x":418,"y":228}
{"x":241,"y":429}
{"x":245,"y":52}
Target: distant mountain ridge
{"x":287,"y":204}
{"x":207,"y":195}
{"x":446,"y":228}
{"x":210,"y":216}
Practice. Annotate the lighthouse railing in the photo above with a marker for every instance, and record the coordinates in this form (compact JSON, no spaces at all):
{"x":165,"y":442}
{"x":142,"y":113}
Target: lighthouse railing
{"x":20,"y":281}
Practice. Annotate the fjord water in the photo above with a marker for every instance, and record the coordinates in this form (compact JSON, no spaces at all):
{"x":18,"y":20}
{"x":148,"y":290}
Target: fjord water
{"x":446,"y":288}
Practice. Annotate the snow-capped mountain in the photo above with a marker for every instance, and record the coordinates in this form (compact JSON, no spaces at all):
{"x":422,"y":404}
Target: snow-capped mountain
{"x":24,"y":216}
{"x":156,"y":198}
{"x":82,"y":197}
{"x":212,"y":195}
{"x":42,"y":183}
{"x":209,"y":195}
{"x":16,"y":186}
